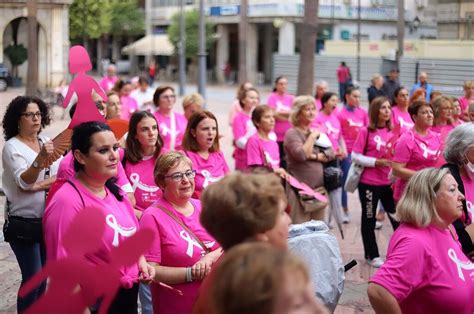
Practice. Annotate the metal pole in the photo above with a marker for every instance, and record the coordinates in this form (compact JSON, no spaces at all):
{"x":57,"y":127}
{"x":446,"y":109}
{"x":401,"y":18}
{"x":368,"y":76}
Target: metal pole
{"x":202,"y":52}
{"x":182,"y":50}
{"x":358,"y":41}
{"x":400,"y":30}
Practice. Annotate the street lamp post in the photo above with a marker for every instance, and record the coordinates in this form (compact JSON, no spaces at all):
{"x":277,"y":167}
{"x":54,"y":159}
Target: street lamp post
{"x":358,"y":41}
{"x":182,"y":50}
{"x":202,"y":51}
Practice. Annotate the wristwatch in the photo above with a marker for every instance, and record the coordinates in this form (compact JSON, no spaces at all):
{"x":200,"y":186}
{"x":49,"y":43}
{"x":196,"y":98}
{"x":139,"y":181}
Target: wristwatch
{"x":36,"y":164}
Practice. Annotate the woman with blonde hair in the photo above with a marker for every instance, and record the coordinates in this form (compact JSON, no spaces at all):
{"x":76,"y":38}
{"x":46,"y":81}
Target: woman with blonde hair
{"x":257,"y":278}
{"x":191,"y":104}
{"x":376,"y":87}
{"x":466,"y":99}
{"x":426,"y":270}
{"x":443,"y":115}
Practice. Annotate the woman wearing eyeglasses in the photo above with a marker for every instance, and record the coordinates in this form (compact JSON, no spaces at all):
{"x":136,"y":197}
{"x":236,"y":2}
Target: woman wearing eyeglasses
{"x":182,"y":251}
{"x":172,"y":124}
{"x":26,"y":177}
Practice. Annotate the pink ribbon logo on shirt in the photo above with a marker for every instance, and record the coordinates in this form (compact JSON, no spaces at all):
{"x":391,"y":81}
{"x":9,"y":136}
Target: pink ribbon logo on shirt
{"x":280,"y":107}
{"x":355,"y":123}
{"x":208,"y":178}
{"x":460,"y":264}
{"x":427,"y":151}
{"x":166,"y":130}
{"x":193,"y":243}
{"x":404,"y":124}
{"x":135,"y":178}
{"x":124,"y":232}
{"x":330,"y":128}
{"x":378,"y":140}
{"x":269,"y":159}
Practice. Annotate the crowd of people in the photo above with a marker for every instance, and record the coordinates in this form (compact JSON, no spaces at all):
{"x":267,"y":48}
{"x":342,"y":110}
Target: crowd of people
{"x":222,"y":247}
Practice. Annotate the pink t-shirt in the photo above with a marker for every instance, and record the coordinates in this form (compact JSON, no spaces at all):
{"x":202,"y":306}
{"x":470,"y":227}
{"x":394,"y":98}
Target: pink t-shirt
{"x":379,"y":146}
{"x":107,"y":83}
{"x":208,"y":170}
{"x":331,"y":126}
{"x":257,"y":149}
{"x":120,"y":223}
{"x":342,"y":74}
{"x":236,"y":107}
{"x":417,"y":152}
{"x":66,"y":171}
{"x":142,"y":180}
{"x":351,"y":123}
{"x":281,"y":104}
{"x":174,"y":247}
{"x":442,"y":129}
{"x":427,"y":272}
{"x":242,"y":129}
{"x":401,"y":119}
{"x":129,"y":106}
{"x":464,"y":103}
{"x":172,"y":136}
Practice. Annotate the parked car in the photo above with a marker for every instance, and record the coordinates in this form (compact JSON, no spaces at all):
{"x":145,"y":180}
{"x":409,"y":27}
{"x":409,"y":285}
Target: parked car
{"x":5,"y":78}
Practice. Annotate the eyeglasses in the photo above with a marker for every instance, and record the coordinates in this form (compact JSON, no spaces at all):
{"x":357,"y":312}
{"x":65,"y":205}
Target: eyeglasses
{"x":179,"y":176}
{"x":30,"y":115}
{"x":169,"y":97}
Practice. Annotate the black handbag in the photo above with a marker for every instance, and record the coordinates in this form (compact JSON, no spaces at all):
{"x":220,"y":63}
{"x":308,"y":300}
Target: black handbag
{"x":23,"y":229}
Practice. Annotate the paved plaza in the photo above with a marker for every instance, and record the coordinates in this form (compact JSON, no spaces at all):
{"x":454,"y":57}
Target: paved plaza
{"x":220,"y":98}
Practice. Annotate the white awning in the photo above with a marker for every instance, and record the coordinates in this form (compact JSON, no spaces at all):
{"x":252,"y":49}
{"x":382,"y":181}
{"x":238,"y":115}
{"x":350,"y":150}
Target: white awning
{"x":158,"y":45}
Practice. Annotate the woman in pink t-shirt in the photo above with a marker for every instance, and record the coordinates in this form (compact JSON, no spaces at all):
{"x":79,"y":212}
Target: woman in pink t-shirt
{"x":262,"y":149}
{"x":466,"y":99}
{"x":321,"y":88}
{"x":426,"y":270}
{"x":171,"y":124}
{"x":143,"y":146}
{"x":96,"y":158}
{"x":352,"y":118}
{"x":456,"y":112}
{"x":401,"y":119}
{"x":242,"y":126}
{"x":281,"y":102}
{"x":459,"y":155}
{"x":443,"y":115}
{"x":201,"y":145}
{"x":373,"y":150}
{"x":236,"y":107}
{"x":182,"y":251}
{"x":416,"y":149}
{"x":129,"y":104}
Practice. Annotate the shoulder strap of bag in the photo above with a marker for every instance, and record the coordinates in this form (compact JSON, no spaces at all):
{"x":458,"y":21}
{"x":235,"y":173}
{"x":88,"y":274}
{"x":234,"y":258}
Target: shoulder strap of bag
{"x":179,"y":222}
{"x":77,"y":190}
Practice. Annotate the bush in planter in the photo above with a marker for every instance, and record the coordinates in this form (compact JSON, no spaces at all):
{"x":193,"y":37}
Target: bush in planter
{"x":17,"y":54}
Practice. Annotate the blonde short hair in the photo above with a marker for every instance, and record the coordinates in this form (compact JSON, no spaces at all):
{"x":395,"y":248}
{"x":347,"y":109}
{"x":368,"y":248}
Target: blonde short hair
{"x":417,"y":205}
{"x":298,"y":104}
{"x":167,"y":161}
{"x":468,"y":84}
{"x":250,"y":277}
{"x":195,"y":98}
{"x":375,"y":77}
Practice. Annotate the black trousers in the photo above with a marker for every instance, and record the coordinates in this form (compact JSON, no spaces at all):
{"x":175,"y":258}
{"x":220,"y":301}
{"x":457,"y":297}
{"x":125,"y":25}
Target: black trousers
{"x":125,"y":302}
{"x":369,"y":196}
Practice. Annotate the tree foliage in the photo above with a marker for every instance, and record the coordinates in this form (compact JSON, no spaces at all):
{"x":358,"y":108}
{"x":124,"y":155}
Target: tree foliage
{"x":191,"y":31}
{"x":90,"y":19}
{"x":126,"y":18}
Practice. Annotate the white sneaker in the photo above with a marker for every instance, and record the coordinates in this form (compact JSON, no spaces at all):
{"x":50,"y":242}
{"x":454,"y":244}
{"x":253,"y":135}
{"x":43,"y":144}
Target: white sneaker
{"x":378,"y":225}
{"x":375,"y":262}
{"x":345,"y":218}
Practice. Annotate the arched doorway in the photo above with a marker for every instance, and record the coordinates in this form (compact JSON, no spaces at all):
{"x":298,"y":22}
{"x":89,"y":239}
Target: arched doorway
{"x":16,"y":33}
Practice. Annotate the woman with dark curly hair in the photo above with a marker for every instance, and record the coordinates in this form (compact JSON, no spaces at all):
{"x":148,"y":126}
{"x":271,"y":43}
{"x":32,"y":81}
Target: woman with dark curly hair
{"x":27,"y":176}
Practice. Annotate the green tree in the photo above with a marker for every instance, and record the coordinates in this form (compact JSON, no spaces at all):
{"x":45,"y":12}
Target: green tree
{"x":192,"y":33}
{"x":126,"y":18}
{"x":88,"y":19}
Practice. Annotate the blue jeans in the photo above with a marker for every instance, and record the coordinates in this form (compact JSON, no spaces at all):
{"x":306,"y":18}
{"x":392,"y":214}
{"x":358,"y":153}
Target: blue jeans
{"x":342,"y":91}
{"x":144,"y":293}
{"x":345,"y":165}
{"x":31,"y":258}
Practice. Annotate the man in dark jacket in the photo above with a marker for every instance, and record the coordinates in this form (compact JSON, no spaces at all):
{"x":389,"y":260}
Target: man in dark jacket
{"x":391,"y":84}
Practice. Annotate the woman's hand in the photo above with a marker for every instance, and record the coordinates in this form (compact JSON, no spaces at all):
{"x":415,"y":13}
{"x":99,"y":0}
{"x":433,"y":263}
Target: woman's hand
{"x":383,"y":162}
{"x":45,"y":152}
{"x":281,"y":172}
{"x":201,"y":269}
{"x":147,"y":272}
{"x":314,"y":134}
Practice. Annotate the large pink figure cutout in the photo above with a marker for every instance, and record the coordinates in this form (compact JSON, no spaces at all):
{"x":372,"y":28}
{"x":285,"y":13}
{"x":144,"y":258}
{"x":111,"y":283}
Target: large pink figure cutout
{"x":74,"y":283}
{"x":82,"y":85}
